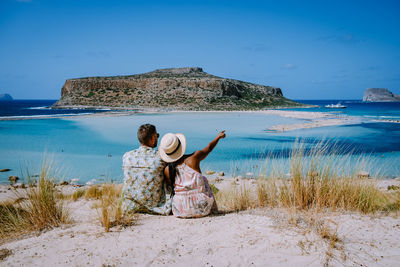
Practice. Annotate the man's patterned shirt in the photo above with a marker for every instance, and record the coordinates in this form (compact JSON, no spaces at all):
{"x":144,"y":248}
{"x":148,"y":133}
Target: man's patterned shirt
{"x":144,"y":187}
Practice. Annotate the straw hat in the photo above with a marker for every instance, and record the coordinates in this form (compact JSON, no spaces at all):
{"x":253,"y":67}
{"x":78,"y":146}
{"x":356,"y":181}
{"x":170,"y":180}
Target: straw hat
{"x":172,"y":147}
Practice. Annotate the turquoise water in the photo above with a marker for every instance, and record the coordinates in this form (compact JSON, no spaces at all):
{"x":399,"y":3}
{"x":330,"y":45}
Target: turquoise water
{"x":91,"y":147}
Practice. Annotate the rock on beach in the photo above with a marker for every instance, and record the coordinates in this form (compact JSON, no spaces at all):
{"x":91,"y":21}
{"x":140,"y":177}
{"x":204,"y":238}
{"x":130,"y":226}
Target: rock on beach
{"x":13,"y":179}
{"x":363,"y":174}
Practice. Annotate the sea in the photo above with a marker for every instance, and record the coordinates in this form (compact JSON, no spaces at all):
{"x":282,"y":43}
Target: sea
{"x":90,"y":148}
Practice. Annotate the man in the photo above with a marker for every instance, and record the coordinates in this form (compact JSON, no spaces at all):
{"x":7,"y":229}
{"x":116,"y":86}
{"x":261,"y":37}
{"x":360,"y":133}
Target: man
{"x":144,"y":186}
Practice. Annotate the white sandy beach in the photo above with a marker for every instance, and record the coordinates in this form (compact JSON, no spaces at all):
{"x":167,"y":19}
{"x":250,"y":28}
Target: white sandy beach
{"x":315,"y":119}
{"x":256,"y":237}
{"x":313,"y":124}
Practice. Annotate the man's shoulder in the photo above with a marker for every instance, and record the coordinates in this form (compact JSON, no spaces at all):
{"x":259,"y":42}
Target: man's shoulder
{"x":129,"y":153}
{"x":133,"y":150}
{"x":143,"y":152}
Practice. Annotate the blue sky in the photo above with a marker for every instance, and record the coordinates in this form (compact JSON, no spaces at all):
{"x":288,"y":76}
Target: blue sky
{"x":310,"y":49}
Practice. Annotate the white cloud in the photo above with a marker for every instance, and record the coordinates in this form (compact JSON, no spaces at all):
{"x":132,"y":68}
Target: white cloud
{"x":290,"y":66}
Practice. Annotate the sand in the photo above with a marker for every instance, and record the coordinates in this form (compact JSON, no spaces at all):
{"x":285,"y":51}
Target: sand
{"x":258,"y":237}
{"x":314,"y":119}
{"x":312,"y":124}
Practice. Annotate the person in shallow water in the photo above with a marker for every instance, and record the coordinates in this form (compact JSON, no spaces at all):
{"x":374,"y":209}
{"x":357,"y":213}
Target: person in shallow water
{"x":144,"y":187}
{"x":193,"y":196}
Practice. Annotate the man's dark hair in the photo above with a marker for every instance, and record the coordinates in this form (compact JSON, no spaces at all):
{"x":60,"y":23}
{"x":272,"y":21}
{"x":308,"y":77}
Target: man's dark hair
{"x":145,"y":132}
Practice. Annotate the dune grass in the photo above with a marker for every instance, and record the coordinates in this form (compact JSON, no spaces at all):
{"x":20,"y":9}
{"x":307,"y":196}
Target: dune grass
{"x":35,"y":210}
{"x":304,"y":193}
{"x":237,"y":198}
{"x":110,"y":212}
{"x":108,"y":202}
{"x":93,"y":192}
{"x":321,"y":177}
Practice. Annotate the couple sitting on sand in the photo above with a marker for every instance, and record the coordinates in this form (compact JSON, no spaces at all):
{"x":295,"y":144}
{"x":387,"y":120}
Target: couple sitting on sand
{"x":164,"y":180}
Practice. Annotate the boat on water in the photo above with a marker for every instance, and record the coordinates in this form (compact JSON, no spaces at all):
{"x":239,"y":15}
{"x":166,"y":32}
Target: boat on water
{"x":338,"y":105}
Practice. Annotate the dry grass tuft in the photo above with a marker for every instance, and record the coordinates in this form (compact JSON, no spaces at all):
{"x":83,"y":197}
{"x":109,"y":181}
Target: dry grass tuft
{"x":267,"y":190}
{"x":93,"y":192}
{"x":393,"y":201}
{"x":109,"y":206}
{"x":235,"y":199}
{"x":335,"y":244}
{"x":4,"y":253}
{"x":78,"y":194}
{"x":13,"y":220}
{"x":37,"y":210}
{"x":325,"y":232}
{"x":305,"y":193}
{"x":107,"y":202}
{"x":321,"y":177}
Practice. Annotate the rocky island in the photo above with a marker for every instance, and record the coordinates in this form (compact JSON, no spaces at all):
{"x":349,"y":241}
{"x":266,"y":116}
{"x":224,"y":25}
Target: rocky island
{"x":380,"y":95}
{"x":187,"y":88}
{"x":5,"y":97}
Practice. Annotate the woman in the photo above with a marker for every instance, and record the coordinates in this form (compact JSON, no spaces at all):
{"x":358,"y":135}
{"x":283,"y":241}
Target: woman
{"x":193,"y":196}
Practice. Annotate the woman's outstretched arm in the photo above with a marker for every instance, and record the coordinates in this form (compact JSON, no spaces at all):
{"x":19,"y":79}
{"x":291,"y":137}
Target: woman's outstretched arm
{"x":202,"y":154}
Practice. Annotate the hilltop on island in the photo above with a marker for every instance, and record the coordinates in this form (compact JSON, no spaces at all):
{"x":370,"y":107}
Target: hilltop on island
{"x":5,"y":97}
{"x":380,"y":95}
{"x":175,"y":88}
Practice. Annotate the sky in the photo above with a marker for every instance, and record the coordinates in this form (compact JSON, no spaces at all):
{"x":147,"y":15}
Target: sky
{"x":309,"y":49}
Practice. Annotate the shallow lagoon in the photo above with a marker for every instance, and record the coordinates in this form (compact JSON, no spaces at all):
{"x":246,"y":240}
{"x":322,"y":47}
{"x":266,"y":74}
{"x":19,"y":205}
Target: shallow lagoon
{"x":92,"y":147}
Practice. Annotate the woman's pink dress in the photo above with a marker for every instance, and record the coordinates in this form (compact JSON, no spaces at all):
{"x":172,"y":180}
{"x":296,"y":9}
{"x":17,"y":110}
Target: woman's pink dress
{"x":193,"y":196}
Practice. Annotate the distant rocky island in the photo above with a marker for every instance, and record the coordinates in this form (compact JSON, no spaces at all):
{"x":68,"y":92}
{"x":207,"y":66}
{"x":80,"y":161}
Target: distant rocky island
{"x":380,"y":95}
{"x":175,"y":88}
{"x":5,"y":97}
